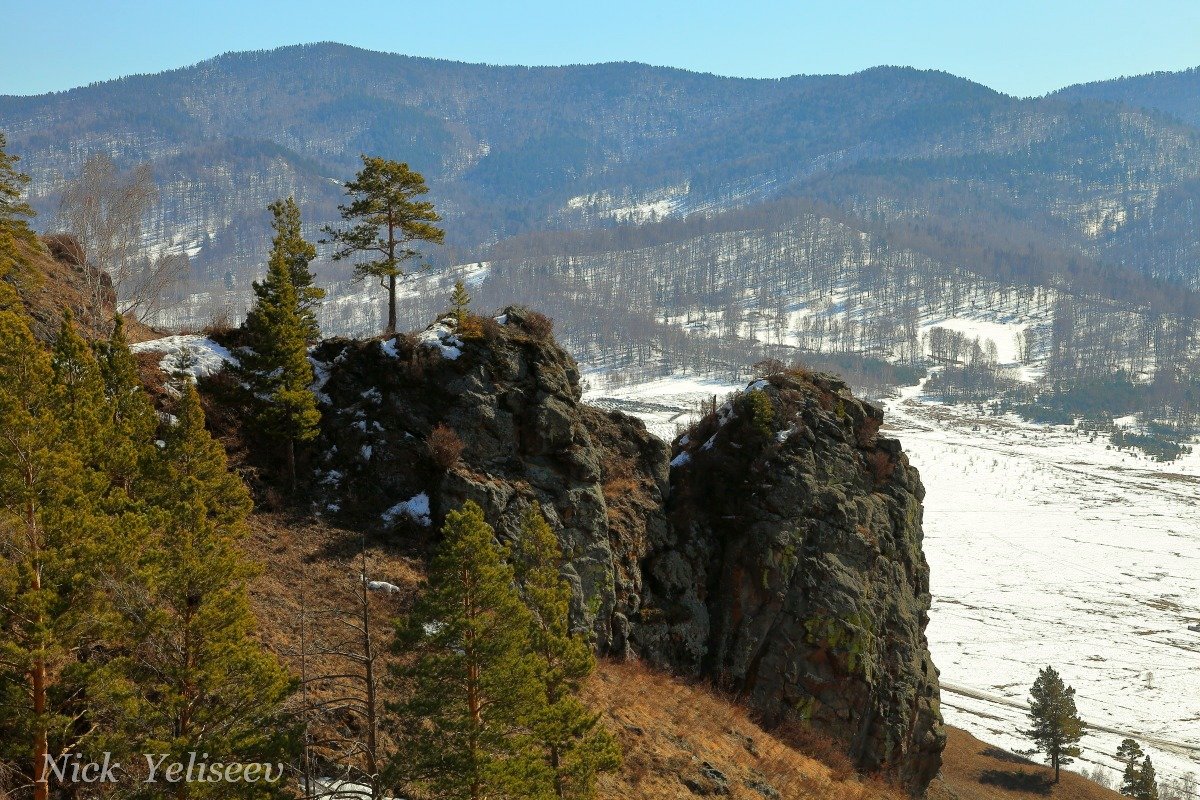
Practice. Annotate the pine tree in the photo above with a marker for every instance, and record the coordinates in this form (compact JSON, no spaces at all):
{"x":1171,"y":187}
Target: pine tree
{"x":1147,"y":782}
{"x":14,"y":215}
{"x":13,"y":209}
{"x":131,"y":417}
{"x":1129,"y":753}
{"x":57,"y":551}
{"x":299,"y":253}
{"x":274,"y":365}
{"x":1057,"y":727}
{"x":386,"y":220}
{"x":461,"y":300}
{"x":205,"y":685}
{"x":465,"y":325}
{"x":574,"y":744}
{"x":468,"y":680}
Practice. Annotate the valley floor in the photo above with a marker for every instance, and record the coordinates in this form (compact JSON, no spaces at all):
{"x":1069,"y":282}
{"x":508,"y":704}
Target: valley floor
{"x":1045,"y":548}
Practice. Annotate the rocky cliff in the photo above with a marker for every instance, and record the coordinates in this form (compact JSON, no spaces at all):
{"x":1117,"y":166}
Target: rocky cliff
{"x":776,"y":548}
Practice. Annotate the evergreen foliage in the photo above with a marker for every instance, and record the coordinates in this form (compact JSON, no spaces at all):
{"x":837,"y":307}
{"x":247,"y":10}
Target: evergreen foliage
{"x":274,"y":363}
{"x":14,"y":213}
{"x":574,"y":745}
{"x":298,"y":253}
{"x":386,"y":221}
{"x":202,"y":683}
{"x":13,"y":209}
{"x":59,"y":553}
{"x":124,"y":619}
{"x":469,"y":685}
{"x":1057,"y":727}
{"x":1139,"y":779}
{"x":466,"y":325}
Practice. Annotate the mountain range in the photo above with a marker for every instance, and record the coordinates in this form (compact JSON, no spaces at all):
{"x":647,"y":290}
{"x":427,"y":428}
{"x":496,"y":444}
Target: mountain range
{"x":1107,"y":173}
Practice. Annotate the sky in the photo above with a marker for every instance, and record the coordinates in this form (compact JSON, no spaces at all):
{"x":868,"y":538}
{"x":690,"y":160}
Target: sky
{"x":1020,"y":47}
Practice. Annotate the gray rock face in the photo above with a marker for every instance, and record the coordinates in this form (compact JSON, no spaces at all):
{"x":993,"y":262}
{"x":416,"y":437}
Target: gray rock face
{"x":783,"y":559}
{"x":513,"y":399}
{"x":794,"y":574}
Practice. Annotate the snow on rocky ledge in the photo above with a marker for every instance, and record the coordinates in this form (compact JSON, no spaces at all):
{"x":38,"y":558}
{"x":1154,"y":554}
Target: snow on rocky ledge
{"x":195,"y":355}
{"x":441,"y":336}
{"x":415,"y":508}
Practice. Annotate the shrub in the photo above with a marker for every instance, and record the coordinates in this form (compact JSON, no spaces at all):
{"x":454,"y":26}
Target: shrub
{"x":758,"y":407}
{"x":444,"y":446}
{"x":538,"y":325}
{"x":470,"y":326}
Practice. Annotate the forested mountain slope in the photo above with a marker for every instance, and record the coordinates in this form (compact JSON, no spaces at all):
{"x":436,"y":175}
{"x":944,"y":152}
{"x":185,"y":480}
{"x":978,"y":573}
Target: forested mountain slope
{"x":510,"y":150}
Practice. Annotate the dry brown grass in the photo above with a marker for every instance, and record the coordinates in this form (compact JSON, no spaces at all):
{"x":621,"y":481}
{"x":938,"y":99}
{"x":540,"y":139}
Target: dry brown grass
{"x":307,"y":564}
{"x":975,"y":770}
{"x":674,"y":734}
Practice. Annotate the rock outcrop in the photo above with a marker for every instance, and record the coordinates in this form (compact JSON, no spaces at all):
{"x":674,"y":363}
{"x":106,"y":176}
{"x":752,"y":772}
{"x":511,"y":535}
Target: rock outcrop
{"x":777,"y":550}
{"x":793,"y":573}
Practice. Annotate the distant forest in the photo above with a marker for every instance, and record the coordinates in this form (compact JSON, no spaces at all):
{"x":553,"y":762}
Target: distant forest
{"x":671,"y":220}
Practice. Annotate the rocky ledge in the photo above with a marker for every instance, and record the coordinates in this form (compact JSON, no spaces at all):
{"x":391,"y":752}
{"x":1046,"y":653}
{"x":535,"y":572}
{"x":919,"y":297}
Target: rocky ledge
{"x":775,"y":548}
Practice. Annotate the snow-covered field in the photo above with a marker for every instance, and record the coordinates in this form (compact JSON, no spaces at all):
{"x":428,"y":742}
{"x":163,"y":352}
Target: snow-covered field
{"x":1045,"y":549}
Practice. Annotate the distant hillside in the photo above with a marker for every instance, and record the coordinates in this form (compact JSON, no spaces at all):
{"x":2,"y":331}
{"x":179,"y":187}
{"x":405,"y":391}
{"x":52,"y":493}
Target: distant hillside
{"x":511,"y":150}
{"x":1175,"y":93}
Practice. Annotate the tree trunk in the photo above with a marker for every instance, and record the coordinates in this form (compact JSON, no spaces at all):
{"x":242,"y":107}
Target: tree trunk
{"x":291,"y":464}
{"x":372,"y":751}
{"x":391,"y":323}
{"x":37,"y":674}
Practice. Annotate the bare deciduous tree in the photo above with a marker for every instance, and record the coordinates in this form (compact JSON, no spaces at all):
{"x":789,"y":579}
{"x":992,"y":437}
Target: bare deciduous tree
{"x":103,"y":209}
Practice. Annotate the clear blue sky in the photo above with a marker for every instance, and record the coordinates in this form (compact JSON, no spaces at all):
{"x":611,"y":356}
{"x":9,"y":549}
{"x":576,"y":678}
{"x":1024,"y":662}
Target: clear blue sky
{"x":1019,"y":47}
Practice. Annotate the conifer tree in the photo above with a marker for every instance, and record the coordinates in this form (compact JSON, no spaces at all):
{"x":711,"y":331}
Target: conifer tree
{"x":131,"y":420}
{"x":469,"y":682}
{"x":274,"y":365}
{"x":1057,"y":727}
{"x":298,"y":253}
{"x":204,"y":684}
{"x":386,"y":220}
{"x":1148,"y":784}
{"x":461,"y":303}
{"x":575,"y":745}
{"x":1140,"y":780}
{"x":14,"y":213}
{"x":56,"y":551}
{"x":13,"y":209}
{"x":465,"y":325}
{"x":1129,"y":753}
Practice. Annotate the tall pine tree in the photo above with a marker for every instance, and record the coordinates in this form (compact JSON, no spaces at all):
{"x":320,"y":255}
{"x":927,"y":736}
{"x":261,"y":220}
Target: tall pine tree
{"x":58,"y":552}
{"x":574,"y":744}
{"x":386,"y":221}
{"x":298,"y":253}
{"x":1057,"y":727}
{"x":274,"y":364}
{"x":14,"y":215}
{"x":131,"y":417}
{"x":205,"y":684}
{"x":468,"y":682}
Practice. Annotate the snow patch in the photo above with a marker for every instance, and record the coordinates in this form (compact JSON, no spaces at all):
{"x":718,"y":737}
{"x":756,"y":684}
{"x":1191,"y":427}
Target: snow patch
{"x":194,"y":355}
{"x":440,"y":336}
{"x":415,"y":508}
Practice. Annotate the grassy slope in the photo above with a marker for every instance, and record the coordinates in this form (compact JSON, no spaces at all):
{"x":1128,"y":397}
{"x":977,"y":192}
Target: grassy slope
{"x":680,"y":739}
{"x":975,"y":770}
